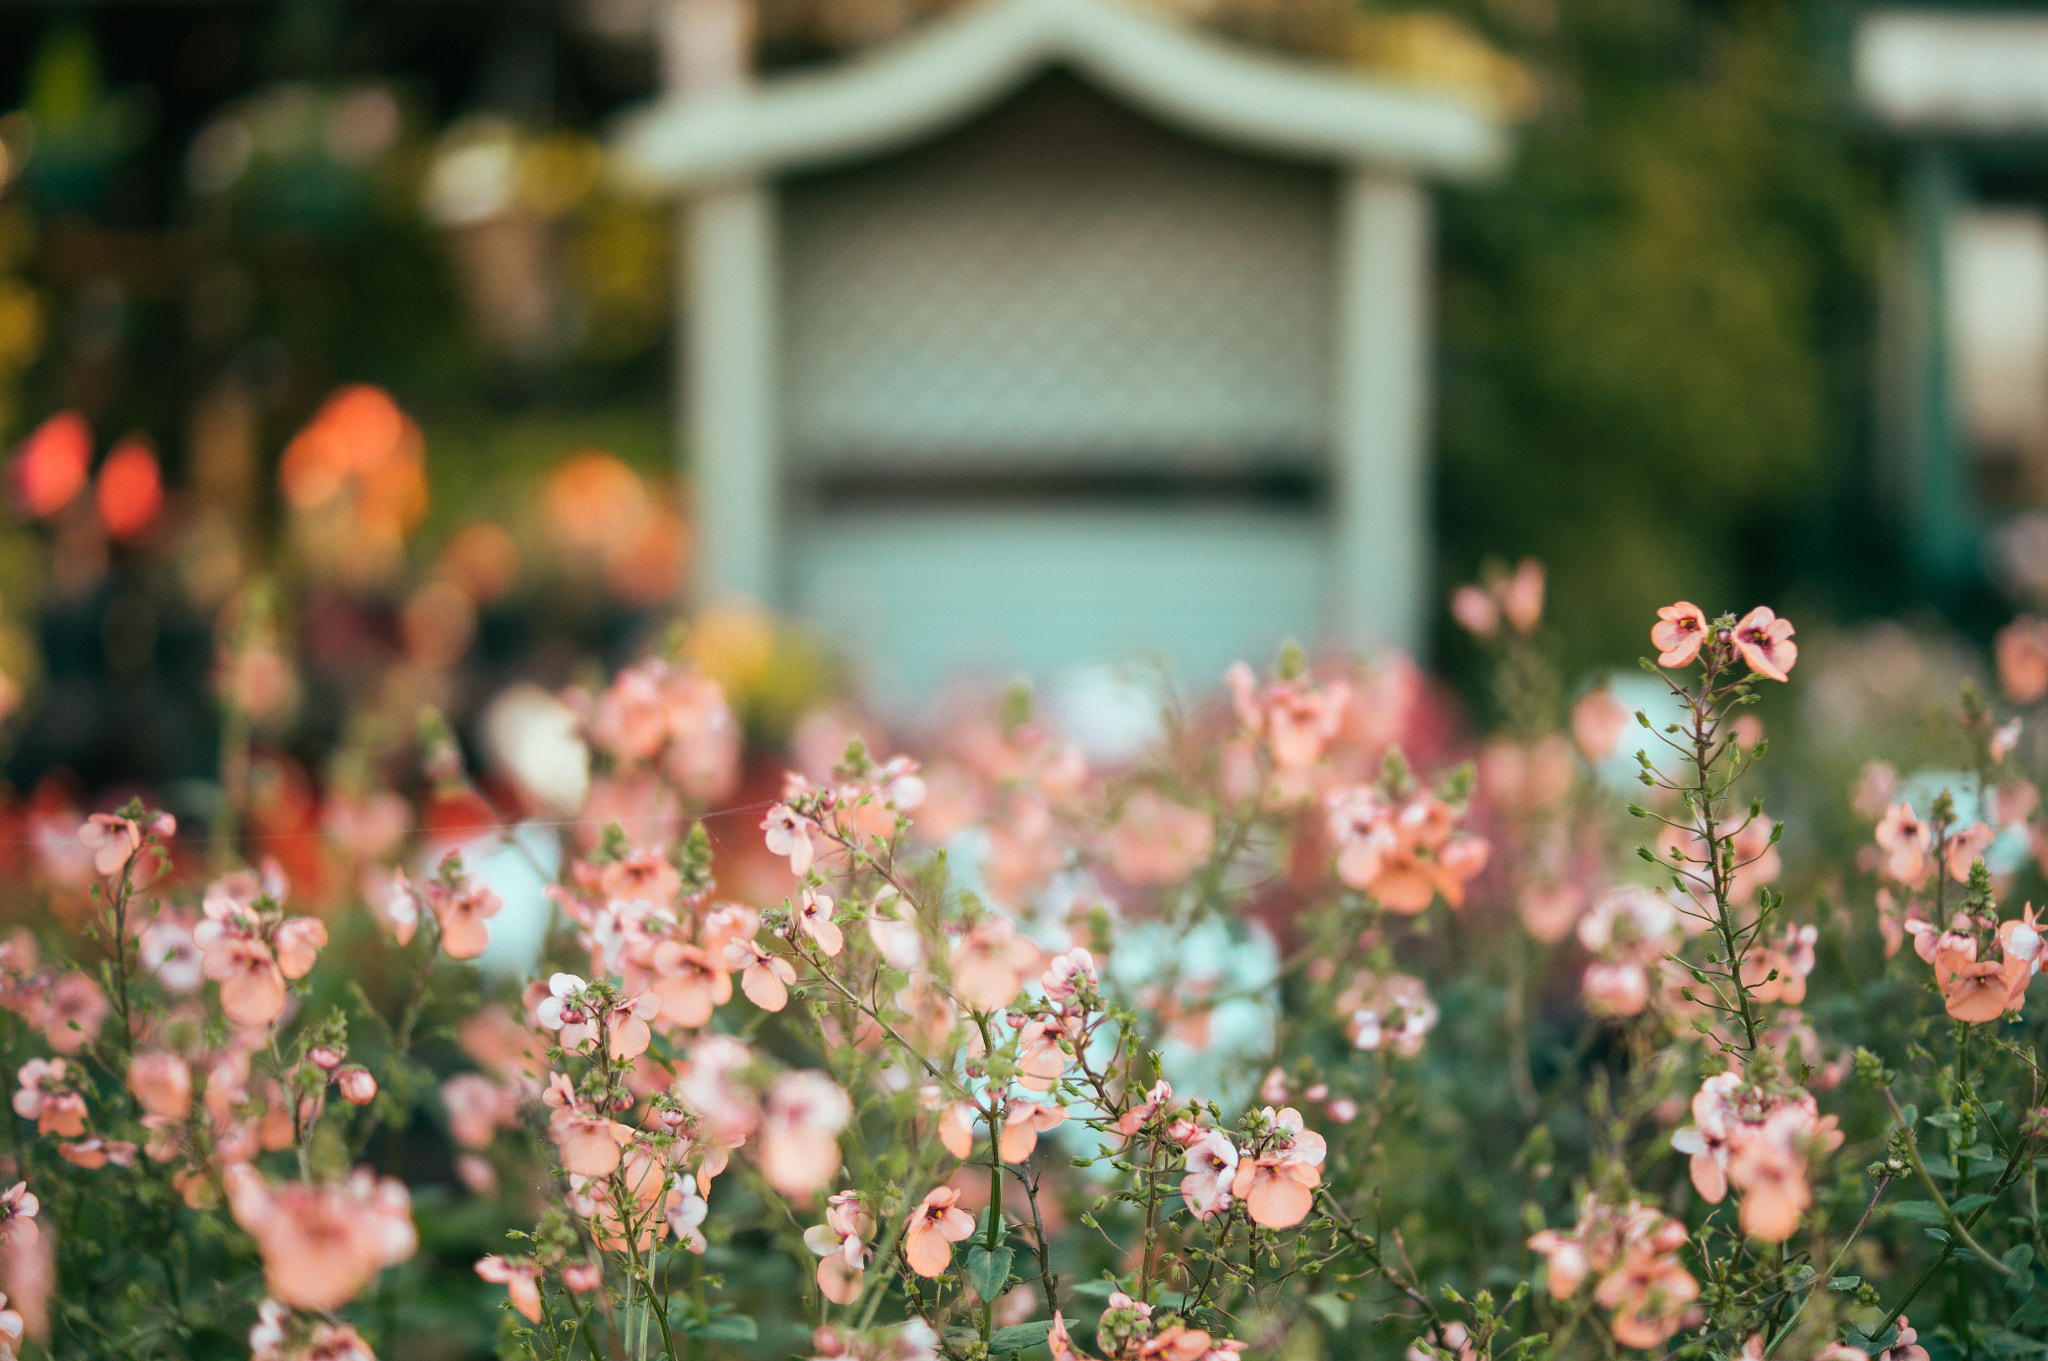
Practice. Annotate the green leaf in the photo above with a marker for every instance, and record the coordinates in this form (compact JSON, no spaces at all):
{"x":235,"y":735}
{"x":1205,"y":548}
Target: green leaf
{"x":1919,"y":1211}
{"x":1938,"y":1235}
{"x":1097,"y":1289}
{"x":1945,"y":1119}
{"x":1969,"y":1203}
{"x":1909,"y":1116}
{"x":2033,"y":1313}
{"x":729,"y":1328}
{"x":988,"y":1272}
{"x":1937,"y":1165}
{"x":2014,"y":1343}
{"x":1845,"y":1282}
{"x":1334,"y":1310}
{"x":1018,"y":1337}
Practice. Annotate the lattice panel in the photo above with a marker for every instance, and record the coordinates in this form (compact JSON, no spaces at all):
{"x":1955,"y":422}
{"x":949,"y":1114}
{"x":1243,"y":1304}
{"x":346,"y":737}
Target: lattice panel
{"x":1059,"y":283}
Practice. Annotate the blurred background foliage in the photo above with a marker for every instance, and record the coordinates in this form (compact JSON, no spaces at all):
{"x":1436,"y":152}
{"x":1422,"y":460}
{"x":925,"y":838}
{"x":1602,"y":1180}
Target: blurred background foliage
{"x":1656,"y":330}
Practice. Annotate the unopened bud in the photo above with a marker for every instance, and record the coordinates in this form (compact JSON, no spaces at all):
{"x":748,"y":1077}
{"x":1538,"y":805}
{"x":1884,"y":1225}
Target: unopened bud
{"x":358,"y":1088}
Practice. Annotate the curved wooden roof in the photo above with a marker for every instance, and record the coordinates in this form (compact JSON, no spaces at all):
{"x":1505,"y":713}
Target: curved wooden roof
{"x":919,"y":86}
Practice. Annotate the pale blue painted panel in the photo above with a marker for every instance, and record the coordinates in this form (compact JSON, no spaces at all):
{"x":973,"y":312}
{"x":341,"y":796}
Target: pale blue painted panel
{"x":1060,"y":285}
{"x":919,"y":597}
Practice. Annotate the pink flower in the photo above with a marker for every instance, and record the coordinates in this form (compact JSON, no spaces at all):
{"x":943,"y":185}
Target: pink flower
{"x":789,"y":835}
{"x":991,"y":963}
{"x":322,"y":1243}
{"x":1906,"y":1346}
{"x":802,"y":1114}
{"x":76,"y":1010}
{"x":1521,"y":597}
{"x":841,"y":1245}
{"x":1212,"y":1170}
{"x":18,"y":1207}
{"x":1598,"y":721}
{"x":162,"y":1084}
{"x":1765,"y":642}
{"x":48,"y":1098}
{"x":252,"y":990}
{"x":764,"y":977}
{"x":1476,"y":611}
{"x":2021,"y":651}
{"x":1278,"y":1186}
{"x":814,"y":918}
{"x":477,"y":1107}
{"x":1067,"y":975}
{"x":1158,"y":841}
{"x":1297,"y":718}
{"x":111,"y":840}
{"x":1905,"y":840}
{"x":1615,"y":989}
{"x":1678,"y":633}
{"x":299,"y":941}
{"x":643,"y":876}
{"x":1023,"y":1122}
{"x":931,"y":1230}
{"x":1965,"y":848}
{"x":520,"y":1278}
{"x":463,"y":911}
{"x":580,"y":1278}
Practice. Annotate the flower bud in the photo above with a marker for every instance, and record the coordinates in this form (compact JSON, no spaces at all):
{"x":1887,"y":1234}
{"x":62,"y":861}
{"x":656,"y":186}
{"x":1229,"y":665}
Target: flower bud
{"x":358,"y":1088}
{"x":326,"y":1057}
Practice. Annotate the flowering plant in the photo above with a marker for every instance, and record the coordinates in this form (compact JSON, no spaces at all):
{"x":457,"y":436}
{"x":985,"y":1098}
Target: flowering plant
{"x":1297,"y":1036}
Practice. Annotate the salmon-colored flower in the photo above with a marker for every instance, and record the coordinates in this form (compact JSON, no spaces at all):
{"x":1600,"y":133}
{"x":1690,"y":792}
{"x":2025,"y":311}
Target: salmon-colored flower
{"x":688,"y":986}
{"x":841,"y":1244}
{"x":1476,"y":611}
{"x":813,"y":917}
{"x":1905,"y":840}
{"x":299,"y":941}
{"x":789,"y":835}
{"x":956,"y":1126}
{"x":1296,"y":718}
{"x":1765,"y":642}
{"x":802,"y":1114}
{"x":1598,"y":721}
{"x":1965,"y":847}
{"x":73,"y":1013}
{"x":643,"y":875}
{"x":1023,"y":1122}
{"x":1678,"y":633}
{"x":1278,"y":1185}
{"x":112,"y":841}
{"x":48,"y":1097}
{"x":252,"y":989}
{"x":477,"y":1109}
{"x":2021,"y":651}
{"x":464,"y":911}
{"x":765,"y":978}
{"x":520,"y":1278}
{"x":1211,"y":1173}
{"x":1983,"y":991}
{"x":991,"y":963}
{"x":1650,"y":1294}
{"x":162,"y":1084}
{"x":1158,"y":841}
{"x":322,"y":1243}
{"x":18,"y":1206}
{"x":931,"y":1230}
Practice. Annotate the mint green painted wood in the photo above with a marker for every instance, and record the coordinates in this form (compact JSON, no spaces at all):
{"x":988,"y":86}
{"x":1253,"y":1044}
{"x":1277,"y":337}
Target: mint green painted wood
{"x":918,"y":597}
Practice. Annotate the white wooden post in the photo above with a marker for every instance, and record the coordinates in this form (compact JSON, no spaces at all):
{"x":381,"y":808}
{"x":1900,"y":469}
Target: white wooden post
{"x":726,"y":299}
{"x":1379,"y":562}
{"x":729,"y":382}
